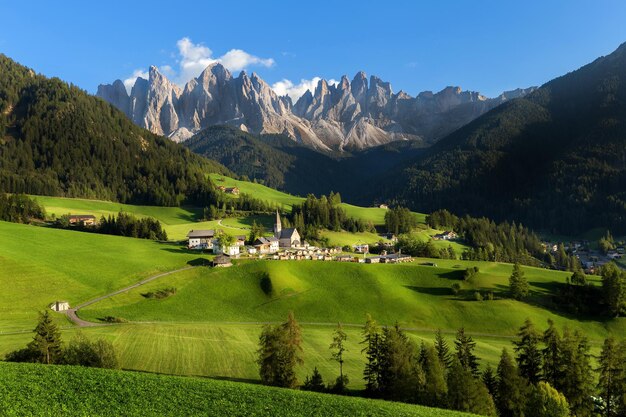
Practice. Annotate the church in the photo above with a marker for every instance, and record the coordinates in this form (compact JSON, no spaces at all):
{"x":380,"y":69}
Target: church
{"x":288,"y":237}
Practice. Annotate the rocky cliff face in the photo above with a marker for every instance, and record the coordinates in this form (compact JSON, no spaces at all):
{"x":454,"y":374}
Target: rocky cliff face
{"x":353,"y":114}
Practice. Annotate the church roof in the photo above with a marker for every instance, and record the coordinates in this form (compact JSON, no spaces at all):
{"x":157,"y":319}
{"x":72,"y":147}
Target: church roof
{"x":288,"y":232}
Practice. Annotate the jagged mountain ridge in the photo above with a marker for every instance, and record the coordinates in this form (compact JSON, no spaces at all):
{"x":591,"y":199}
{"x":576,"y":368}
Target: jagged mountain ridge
{"x":349,"y":115}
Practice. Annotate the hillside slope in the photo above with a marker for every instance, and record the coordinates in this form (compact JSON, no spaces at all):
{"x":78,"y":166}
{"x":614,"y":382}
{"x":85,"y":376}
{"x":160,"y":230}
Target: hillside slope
{"x":29,"y":389}
{"x":555,"y":159}
{"x":55,"y":139}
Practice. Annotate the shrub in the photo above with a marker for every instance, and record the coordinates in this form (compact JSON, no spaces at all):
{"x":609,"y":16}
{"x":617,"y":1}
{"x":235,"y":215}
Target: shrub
{"x":456,"y":288}
{"x":160,"y":294}
{"x":478,"y":296}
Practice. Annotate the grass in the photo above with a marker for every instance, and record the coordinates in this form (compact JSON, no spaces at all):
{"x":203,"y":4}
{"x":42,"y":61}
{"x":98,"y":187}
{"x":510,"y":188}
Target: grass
{"x":29,"y":389}
{"x":40,"y":265}
{"x":284,"y":200}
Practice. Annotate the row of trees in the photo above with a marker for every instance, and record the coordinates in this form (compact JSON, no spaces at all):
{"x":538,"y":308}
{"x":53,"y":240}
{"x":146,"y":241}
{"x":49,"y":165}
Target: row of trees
{"x":124,"y":224}
{"x":223,"y":207}
{"x":19,"y":208}
{"x":47,"y":348}
{"x":549,"y":374}
{"x":400,"y":220}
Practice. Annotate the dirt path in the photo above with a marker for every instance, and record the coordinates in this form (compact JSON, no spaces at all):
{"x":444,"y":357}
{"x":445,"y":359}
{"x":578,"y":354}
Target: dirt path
{"x":230,"y":227}
{"x":71,"y":313}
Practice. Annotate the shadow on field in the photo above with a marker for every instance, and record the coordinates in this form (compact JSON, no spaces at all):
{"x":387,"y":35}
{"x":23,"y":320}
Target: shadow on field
{"x":199,"y":262}
{"x":439,"y":291}
{"x":455,"y":275}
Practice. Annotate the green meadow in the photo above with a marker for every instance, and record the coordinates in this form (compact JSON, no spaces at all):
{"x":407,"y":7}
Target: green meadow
{"x":30,"y":389}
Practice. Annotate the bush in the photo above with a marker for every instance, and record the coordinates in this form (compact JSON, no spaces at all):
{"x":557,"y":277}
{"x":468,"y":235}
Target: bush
{"x":98,"y":354}
{"x":478,"y":296}
{"x":160,"y":294}
{"x":112,"y":319}
{"x":456,"y":288}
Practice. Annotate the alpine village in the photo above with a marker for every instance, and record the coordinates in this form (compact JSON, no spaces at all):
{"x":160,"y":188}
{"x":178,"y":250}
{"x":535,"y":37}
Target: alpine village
{"x":208,"y":236}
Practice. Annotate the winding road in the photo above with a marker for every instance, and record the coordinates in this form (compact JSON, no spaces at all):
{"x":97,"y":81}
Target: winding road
{"x":71,"y":313}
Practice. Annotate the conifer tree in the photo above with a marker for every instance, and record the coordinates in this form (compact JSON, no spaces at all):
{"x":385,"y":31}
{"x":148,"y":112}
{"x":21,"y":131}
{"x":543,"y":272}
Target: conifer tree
{"x":511,"y":388}
{"x":610,"y":381}
{"x":400,"y":372}
{"x":465,"y":346}
{"x":551,"y":355}
{"x":466,"y":393}
{"x":314,"y":383}
{"x":518,"y":284}
{"x":614,"y":289}
{"x":280,"y":350}
{"x":545,"y":401}
{"x":371,"y":341}
{"x":490,"y":380}
{"x":47,"y":342}
{"x":338,"y":347}
{"x":443,"y":351}
{"x":528,"y":353}
{"x":435,"y":387}
{"x":576,"y":382}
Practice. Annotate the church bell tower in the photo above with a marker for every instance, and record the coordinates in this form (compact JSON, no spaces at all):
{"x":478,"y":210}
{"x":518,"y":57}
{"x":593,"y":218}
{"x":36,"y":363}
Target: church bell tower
{"x":277,"y":226}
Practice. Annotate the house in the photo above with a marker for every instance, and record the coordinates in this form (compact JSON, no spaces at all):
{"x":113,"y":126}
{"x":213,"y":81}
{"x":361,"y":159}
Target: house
{"x":344,"y":258}
{"x":232,"y":250}
{"x":447,"y":235}
{"x":222,"y":261}
{"x":60,"y":306}
{"x":200,"y":239}
{"x":389,"y":236}
{"x":266,"y":244}
{"x":221,"y":188}
{"x":82,"y":220}
{"x":287,"y":238}
{"x":240,"y":240}
{"x":395,"y":258}
{"x":372,"y":260}
{"x":231,"y":190}
{"x":383,"y":206}
{"x":362,"y":248}
{"x":251,"y":250}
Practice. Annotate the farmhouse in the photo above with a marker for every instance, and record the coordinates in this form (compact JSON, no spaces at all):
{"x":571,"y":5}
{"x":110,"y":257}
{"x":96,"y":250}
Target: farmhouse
{"x":447,"y":235}
{"x":82,"y":220}
{"x":240,"y":240}
{"x":60,"y":306}
{"x":200,"y":239}
{"x":395,"y":258}
{"x":372,"y":260}
{"x":232,"y":190}
{"x":389,"y":236}
{"x":222,"y":261}
{"x":362,"y":248}
{"x":383,"y":206}
{"x":287,"y":238}
{"x":232,"y":250}
{"x":266,"y":244}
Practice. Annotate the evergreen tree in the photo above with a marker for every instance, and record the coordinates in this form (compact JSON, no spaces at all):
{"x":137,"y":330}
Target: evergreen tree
{"x":399,"y":371}
{"x":47,"y":340}
{"x":545,"y":401}
{"x":511,"y":388}
{"x":490,"y":380}
{"x":443,"y":351}
{"x":528,"y":353}
{"x":435,"y":389}
{"x":314,"y":383}
{"x":279,"y":353}
{"x":576,"y":382}
{"x":338,"y":347}
{"x":465,"y":346}
{"x":614,"y":289}
{"x":466,"y":393}
{"x":551,"y":354}
{"x":371,"y":341}
{"x":518,"y":284}
{"x":610,"y":381}
{"x":292,"y":345}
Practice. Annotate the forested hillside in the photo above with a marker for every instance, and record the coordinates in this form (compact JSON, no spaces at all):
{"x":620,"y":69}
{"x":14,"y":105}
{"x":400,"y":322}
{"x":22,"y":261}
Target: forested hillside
{"x":555,"y":159}
{"x":55,"y":139}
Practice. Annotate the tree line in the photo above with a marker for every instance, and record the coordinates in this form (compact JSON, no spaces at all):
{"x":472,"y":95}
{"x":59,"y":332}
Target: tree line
{"x":124,"y":224}
{"x":47,"y":348}
{"x":19,"y":208}
{"x":548,"y":374}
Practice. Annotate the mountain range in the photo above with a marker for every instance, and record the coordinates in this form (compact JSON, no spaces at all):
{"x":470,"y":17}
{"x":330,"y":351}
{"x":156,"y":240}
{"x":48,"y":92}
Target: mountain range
{"x":349,"y":115}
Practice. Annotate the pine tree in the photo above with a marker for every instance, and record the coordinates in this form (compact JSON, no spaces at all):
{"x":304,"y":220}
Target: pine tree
{"x":518,"y":284}
{"x":490,"y":380}
{"x":371,"y":341}
{"x":47,"y":340}
{"x":399,"y":370}
{"x":551,"y":354}
{"x":528,"y":353}
{"x":465,"y":346}
{"x":614,"y":289}
{"x":576,"y":382}
{"x":435,"y":387}
{"x":315,"y":382}
{"x":292,"y":350}
{"x":279,"y":353}
{"x":466,"y":393}
{"x":511,"y":388}
{"x":338,"y":346}
{"x":610,"y":374}
{"x":443,"y":351}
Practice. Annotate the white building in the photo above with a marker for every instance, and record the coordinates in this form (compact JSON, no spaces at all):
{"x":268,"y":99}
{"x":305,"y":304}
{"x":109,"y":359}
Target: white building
{"x":200,"y":239}
{"x":266,"y":245}
{"x":287,"y":238}
{"x":60,"y":306}
{"x":232,"y":250}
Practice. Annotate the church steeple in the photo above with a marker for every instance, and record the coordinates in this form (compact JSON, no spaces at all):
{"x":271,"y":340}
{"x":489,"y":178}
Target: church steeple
{"x":277,"y":226}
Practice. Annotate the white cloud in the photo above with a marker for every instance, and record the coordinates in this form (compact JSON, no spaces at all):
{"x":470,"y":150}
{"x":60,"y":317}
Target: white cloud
{"x":130,"y":81}
{"x":193,"y":58}
{"x":295,"y":91}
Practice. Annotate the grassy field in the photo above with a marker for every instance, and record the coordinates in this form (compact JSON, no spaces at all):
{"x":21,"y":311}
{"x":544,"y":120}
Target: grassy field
{"x":28,"y":389}
{"x":40,"y":265}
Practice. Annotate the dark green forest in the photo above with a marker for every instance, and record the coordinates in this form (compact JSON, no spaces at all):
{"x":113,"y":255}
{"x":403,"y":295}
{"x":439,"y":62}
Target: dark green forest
{"x":56,"y":139}
{"x":554,"y":160}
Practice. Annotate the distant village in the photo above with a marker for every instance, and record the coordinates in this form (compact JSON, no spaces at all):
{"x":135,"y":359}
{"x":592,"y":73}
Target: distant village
{"x":285,"y":244}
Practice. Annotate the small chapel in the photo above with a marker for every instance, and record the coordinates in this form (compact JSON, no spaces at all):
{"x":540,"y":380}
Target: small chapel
{"x":287,"y":238}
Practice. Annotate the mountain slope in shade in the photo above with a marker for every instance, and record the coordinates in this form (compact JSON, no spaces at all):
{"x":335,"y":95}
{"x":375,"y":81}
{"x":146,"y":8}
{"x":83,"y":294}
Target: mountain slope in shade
{"x":555,"y":159}
{"x":350,"y":115}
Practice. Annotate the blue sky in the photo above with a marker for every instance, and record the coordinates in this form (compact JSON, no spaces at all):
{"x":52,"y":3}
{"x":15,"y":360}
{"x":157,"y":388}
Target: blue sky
{"x":487,"y":46}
